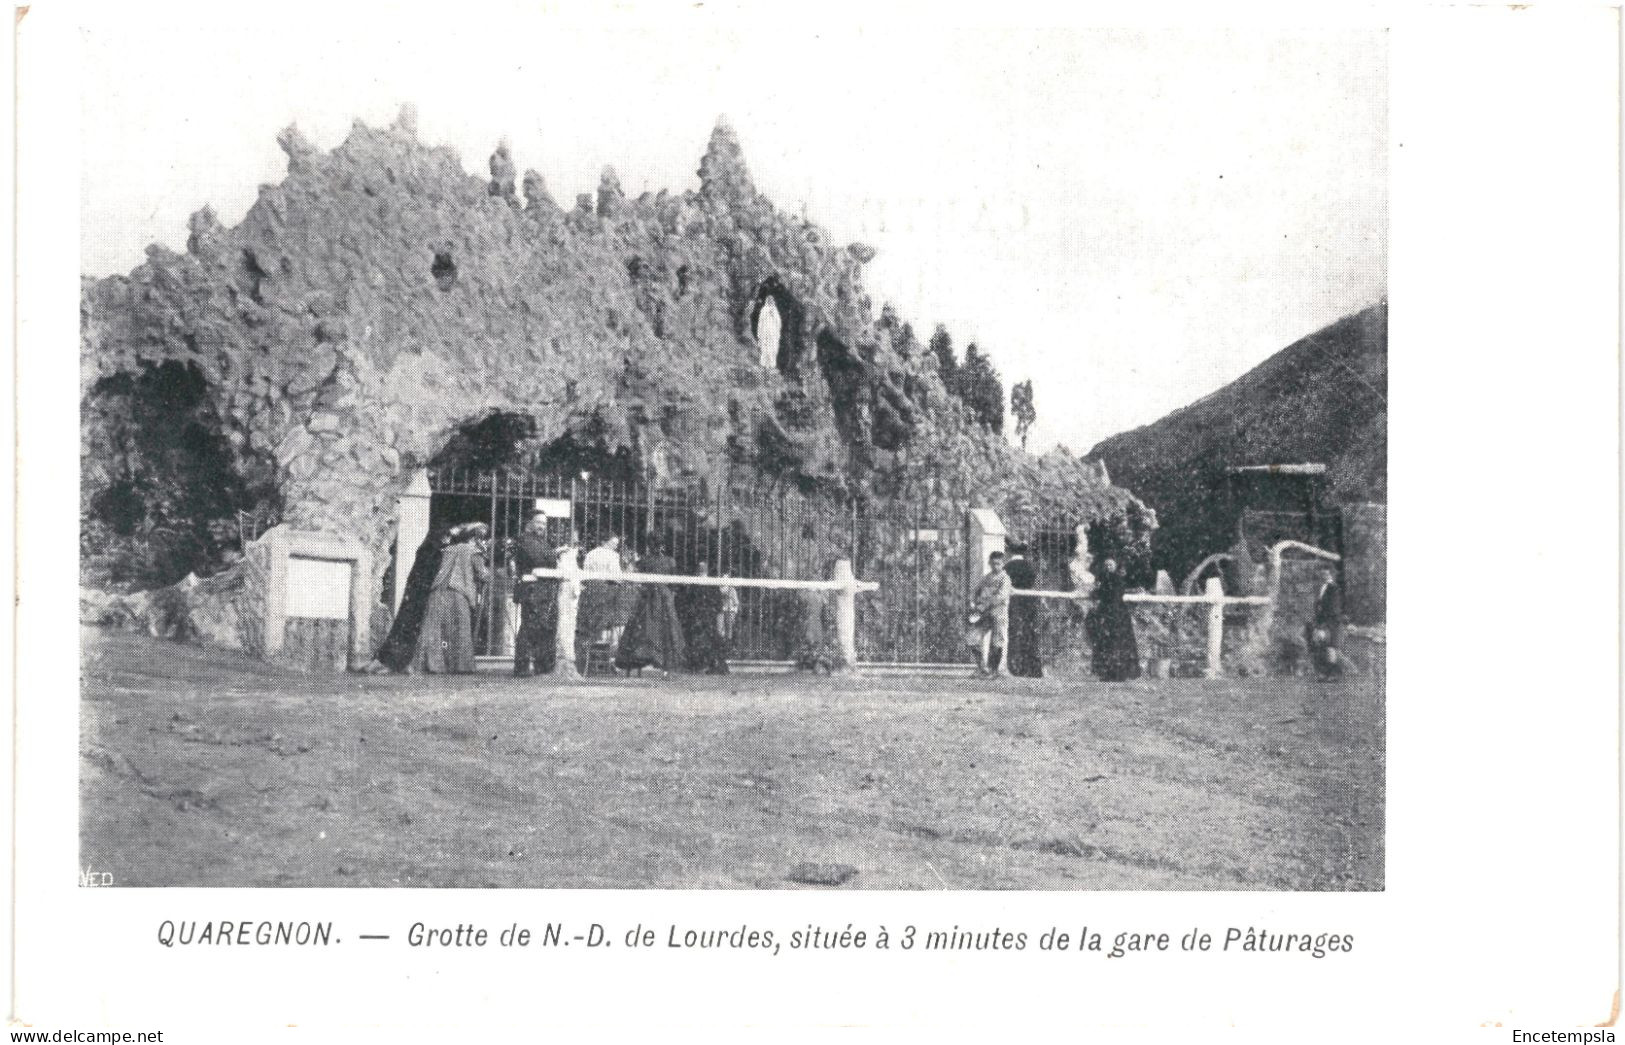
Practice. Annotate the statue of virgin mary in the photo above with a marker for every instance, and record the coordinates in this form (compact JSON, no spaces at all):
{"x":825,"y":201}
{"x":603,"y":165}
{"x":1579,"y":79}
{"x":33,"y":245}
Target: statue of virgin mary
{"x":768,"y":327}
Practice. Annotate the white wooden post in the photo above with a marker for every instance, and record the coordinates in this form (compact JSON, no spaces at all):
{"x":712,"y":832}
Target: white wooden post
{"x":985,"y":535}
{"x":564,"y":643}
{"x":411,"y":528}
{"x":846,"y":613}
{"x":1215,"y":626}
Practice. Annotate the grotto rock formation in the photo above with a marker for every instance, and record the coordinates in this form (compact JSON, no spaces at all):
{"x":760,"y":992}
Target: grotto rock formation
{"x":380,"y":297}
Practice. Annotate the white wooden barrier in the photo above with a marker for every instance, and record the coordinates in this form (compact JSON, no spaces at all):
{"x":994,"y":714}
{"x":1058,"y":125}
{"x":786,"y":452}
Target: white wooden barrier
{"x":1214,"y":598}
{"x":844,"y":584}
{"x":1045,"y":593}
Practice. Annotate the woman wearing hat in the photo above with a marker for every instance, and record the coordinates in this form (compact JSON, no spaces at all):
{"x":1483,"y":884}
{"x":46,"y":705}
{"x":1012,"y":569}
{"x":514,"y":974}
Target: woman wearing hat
{"x":400,"y":647}
{"x":446,"y":643}
{"x":654,"y":635}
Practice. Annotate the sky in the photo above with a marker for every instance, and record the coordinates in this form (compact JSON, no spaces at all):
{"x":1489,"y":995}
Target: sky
{"x":1130,"y":218}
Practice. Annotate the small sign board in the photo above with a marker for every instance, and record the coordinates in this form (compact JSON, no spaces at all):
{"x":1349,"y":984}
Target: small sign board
{"x":927,"y":536}
{"x":318,"y":588}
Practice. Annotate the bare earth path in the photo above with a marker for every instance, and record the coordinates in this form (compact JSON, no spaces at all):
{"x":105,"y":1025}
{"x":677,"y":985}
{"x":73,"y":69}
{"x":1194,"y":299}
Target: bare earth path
{"x":209,"y":769}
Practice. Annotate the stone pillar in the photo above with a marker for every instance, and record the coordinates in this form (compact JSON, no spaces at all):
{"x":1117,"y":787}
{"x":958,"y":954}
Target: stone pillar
{"x":984,"y":533}
{"x":564,"y":642}
{"x":321,"y":582}
{"x":1215,"y":627}
{"x":276,"y":590}
{"x":411,"y":528}
{"x":846,"y":613}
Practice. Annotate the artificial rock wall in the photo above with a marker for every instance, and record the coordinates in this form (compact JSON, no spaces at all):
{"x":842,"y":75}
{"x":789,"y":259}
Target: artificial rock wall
{"x":380,"y":297}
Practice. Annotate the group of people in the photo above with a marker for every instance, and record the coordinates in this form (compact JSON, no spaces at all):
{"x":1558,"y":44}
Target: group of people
{"x":996,"y":616}
{"x":433,"y":632}
{"x":644,"y":625}
{"x":650,"y":625}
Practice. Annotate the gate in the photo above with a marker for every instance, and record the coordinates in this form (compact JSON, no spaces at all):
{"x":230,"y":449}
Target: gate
{"x":734,"y":528}
{"x":918,"y":615}
{"x":1054,"y":554}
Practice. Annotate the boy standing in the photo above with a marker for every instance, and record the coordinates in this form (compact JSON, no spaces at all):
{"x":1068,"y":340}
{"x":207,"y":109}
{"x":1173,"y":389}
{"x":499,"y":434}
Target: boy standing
{"x":990,"y":615}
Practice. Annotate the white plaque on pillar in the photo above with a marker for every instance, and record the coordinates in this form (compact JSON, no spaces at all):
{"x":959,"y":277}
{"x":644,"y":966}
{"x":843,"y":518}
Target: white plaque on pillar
{"x":318,"y":588}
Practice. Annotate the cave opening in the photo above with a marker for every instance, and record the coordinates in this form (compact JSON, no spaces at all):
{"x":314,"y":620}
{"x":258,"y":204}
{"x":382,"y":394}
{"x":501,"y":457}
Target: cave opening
{"x":169,"y":493}
{"x":494,"y":468}
{"x":506,"y":441}
{"x":775,"y":319}
{"x":845,"y":375}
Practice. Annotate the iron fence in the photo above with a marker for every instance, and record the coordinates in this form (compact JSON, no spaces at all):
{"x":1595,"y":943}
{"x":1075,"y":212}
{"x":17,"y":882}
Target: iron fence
{"x":732,"y":526}
{"x":919,"y":560}
{"x":1054,"y":551}
{"x":735,"y":528}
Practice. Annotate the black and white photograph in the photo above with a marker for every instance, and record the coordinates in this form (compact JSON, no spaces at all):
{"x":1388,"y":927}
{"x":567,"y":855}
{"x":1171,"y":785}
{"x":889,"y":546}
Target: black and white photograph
{"x":485,"y":519}
{"x":719,"y":518}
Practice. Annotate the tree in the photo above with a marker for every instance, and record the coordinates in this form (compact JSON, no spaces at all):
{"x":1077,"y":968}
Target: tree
{"x":974,"y":381}
{"x":1022,"y":409}
{"x":981,"y":389}
{"x":904,"y":342}
{"x":942,"y":346}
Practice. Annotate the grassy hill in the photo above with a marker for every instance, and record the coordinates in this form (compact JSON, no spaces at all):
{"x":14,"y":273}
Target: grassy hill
{"x":1323,"y":398}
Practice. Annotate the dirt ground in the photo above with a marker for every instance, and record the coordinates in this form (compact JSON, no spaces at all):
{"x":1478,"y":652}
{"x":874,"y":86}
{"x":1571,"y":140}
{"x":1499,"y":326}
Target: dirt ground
{"x":204,"y":768}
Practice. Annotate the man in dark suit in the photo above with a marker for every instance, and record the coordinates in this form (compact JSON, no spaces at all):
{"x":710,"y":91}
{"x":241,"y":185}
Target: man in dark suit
{"x":1325,"y":632}
{"x":538,"y":599}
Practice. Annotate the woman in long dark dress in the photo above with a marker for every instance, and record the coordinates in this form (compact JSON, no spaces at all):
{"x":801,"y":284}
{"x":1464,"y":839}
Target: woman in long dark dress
{"x":446,"y":645}
{"x":1025,"y":654}
{"x":1111,"y":627}
{"x":626,"y":596}
{"x":653,"y":635}
{"x":401,"y":644}
{"x":699,"y":607}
